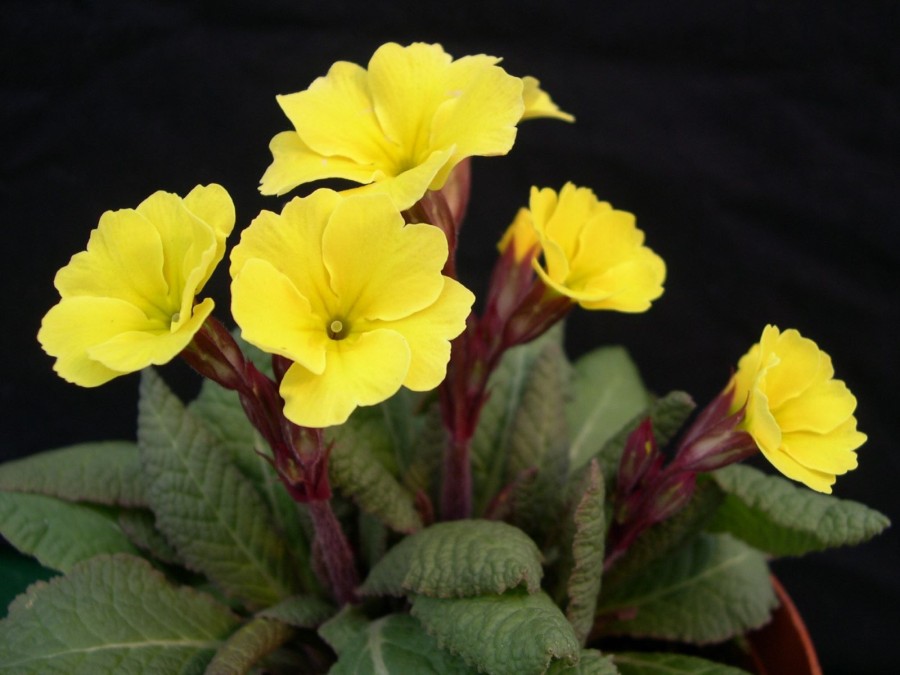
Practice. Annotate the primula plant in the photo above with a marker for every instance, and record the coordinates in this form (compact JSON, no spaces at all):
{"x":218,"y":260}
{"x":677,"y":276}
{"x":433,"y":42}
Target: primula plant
{"x":374,"y":478}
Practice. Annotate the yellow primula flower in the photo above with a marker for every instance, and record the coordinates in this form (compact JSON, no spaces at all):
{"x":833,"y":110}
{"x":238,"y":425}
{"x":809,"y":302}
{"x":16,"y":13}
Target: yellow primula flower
{"x":589,"y":251}
{"x":799,"y":415}
{"x":400,"y":126}
{"x":128,"y":300}
{"x":338,"y":285}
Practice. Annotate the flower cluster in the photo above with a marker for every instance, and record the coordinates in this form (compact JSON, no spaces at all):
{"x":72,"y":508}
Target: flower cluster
{"x":354,"y":294}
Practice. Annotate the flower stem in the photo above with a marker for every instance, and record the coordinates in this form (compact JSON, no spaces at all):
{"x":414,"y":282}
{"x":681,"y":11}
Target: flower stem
{"x":335,"y":551}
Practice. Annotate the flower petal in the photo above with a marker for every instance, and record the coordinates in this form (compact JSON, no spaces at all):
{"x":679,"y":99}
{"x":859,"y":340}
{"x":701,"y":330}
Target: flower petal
{"x":821,"y":408}
{"x":829,"y":453}
{"x":538,"y":102}
{"x":212,"y":205}
{"x":791,"y":468}
{"x":359,"y":371}
{"x":429,"y":332}
{"x":379,"y":267}
{"x":276,"y":317}
{"x":800,"y":364}
{"x":336,"y":116}
{"x":294,"y":163}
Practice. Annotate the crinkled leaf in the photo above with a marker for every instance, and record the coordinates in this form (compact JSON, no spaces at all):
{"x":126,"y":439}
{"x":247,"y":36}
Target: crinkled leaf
{"x":714,"y":588}
{"x":497,"y":422}
{"x":342,"y":630}
{"x":590,"y":662}
{"x":588,"y":548}
{"x":667,"y":413}
{"x":663,"y":538}
{"x":782,"y":518}
{"x":659,"y":663}
{"x":106,"y":472}
{"x":396,"y":643}
{"x":300,"y":611}
{"x":608,"y":393}
{"x":423,"y":472}
{"x":204,"y":505}
{"x":111,"y":615}
{"x":458,"y":559}
{"x":140,"y":527}
{"x":538,"y":441}
{"x":250,"y":643}
{"x":357,"y":470}
{"x":58,"y":533}
{"x":512,"y":633}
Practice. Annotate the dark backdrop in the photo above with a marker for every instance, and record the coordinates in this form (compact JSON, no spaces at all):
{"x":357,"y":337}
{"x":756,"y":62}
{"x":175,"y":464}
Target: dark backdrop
{"x":756,"y":142}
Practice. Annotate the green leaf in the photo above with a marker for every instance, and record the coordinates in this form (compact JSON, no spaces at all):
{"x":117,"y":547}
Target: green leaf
{"x":497,"y":421}
{"x":58,"y":533}
{"x":247,"y":645}
{"x":105,"y":472}
{"x":588,"y":548}
{"x":669,"y":535}
{"x":658,"y":663}
{"x":590,"y":662}
{"x":714,"y":588}
{"x":300,"y":611}
{"x":110,"y":615}
{"x":140,"y":527}
{"x":357,"y":470}
{"x":539,"y":440}
{"x":430,"y":440}
{"x":396,"y":643}
{"x":512,"y":633}
{"x":782,"y":518}
{"x":205,"y":507}
{"x":608,"y":394}
{"x":342,"y":630}
{"x":223,"y":417}
{"x":458,"y":559}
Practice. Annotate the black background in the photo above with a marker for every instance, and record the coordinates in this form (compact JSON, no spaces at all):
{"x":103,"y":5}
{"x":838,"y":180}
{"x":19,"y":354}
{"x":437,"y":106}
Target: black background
{"x":757,"y":142}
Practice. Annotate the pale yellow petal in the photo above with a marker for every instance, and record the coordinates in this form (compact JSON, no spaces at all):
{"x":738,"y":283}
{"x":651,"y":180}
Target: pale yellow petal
{"x":213,"y":205}
{"x":379,"y":267}
{"x":800,"y":364}
{"x":130,"y":351}
{"x":821,"y":408}
{"x":833,"y":452}
{"x":335,"y":116}
{"x":789,"y":467}
{"x":429,"y":332}
{"x":276,"y":317}
{"x":521,"y":235}
{"x":359,"y":371}
{"x":538,"y":102}
{"x":292,"y":243}
{"x":294,"y":163}
{"x":759,"y":421}
{"x":77,"y":324}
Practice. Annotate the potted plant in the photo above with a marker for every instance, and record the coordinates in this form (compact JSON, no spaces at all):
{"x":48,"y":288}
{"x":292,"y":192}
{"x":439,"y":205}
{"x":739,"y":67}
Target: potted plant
{"x":375,"y":477}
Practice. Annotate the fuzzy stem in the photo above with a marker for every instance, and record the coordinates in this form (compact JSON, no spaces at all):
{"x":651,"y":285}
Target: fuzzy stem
{"x":335,"y":551}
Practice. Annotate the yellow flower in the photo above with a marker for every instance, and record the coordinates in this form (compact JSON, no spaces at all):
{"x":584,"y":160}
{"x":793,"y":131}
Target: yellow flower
{"x":128,"y":300}
{"x":591,"y":252}
{"x":400,"y":126}
{"x":799,"y":415}
{"x":356,"y":299}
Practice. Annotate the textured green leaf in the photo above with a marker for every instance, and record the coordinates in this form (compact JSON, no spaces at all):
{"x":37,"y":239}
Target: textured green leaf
{"x":667,"y":536}
{"x":357,"y":470}
{"x":106,"y":472}
{"x":397,"y":644}
{"x":656,"y":663}
{"x":588,"y":548}
{"x":608,"y":394}
{"x":250,"y":643}
{"x":539,"y":440}
{"x":140,"y":527}
{"x":458,"y":559}
{"x":343,"y":629}
{"x":58,"y":533}
{"x":782,"y":518}
{"x":497,"y":422}
{"x":714,"y":588}
{"x":205,"y":507}
{"x":514,"y":633}
{"x":590,"y":662}
{"x":111,"y":615}
{"x":300,"y":611}
{"x":423,"y":473}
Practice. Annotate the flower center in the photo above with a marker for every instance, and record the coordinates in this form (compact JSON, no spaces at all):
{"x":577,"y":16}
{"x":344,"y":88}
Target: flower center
{"x":338,"y":329}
